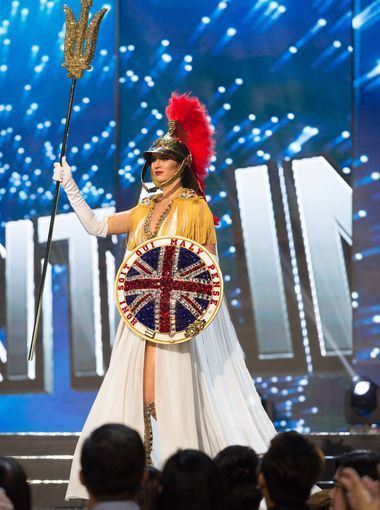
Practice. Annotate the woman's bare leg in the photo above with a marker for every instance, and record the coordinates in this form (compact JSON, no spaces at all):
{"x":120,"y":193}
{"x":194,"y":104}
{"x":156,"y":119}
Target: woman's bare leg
{"x":150,"y":373}
{"x":149,"y":391}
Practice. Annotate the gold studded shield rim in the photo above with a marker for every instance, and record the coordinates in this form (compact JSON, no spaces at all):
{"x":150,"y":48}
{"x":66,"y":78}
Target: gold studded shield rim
{"x":195,"y":327}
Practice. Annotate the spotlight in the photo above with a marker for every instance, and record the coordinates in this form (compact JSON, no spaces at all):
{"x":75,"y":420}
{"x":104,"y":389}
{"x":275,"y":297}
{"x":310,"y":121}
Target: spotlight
{"x":362,"y":404}
{"x":166,"y":57}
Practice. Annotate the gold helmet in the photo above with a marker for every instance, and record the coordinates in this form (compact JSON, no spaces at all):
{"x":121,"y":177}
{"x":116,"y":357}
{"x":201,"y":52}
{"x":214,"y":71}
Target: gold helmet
{"x":188,"y":140}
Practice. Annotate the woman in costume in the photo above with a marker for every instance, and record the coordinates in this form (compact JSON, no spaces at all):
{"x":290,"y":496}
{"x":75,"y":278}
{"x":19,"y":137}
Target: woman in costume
{"x":198,"y":394}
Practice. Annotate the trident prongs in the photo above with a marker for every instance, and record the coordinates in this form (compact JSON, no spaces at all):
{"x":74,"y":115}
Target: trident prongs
{"x":77,"y":59}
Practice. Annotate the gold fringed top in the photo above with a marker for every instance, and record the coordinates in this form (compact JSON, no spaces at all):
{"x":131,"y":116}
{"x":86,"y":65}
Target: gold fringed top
{"x":190,"y":217}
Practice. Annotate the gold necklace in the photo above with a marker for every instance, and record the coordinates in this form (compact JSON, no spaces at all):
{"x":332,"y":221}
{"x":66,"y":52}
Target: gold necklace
{"x":149,"y":234}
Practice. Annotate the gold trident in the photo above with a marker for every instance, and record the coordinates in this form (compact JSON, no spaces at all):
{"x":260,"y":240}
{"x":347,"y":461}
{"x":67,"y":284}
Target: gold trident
{"x":77,"y":60}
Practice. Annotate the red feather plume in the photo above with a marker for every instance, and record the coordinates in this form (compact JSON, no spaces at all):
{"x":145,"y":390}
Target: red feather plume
{"x":194,"y":130}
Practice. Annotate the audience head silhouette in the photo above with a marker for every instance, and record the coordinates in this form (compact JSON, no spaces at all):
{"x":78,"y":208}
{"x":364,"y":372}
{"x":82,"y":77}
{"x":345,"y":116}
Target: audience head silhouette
{"x":190,"y":480}
{"x":238,"y":465}
{"x":289,"y":469}
{"x":112,"y":461}
{"x":13,"y":481}
{"x":149,"y":493}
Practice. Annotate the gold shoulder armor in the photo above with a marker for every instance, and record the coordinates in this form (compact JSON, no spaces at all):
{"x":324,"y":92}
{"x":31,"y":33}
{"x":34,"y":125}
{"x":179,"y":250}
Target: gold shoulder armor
{"x":149,"y":199}
{"x":188,"y":193}
{"x":145,"y":201}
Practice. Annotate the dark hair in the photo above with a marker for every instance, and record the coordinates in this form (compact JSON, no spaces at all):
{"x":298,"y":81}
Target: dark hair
{"x":188,"y":180}
{"x":13,"y":481}
{"x":239,"y":467}
{"x":190,"y":480}
{"x":112,"y":461}
{"x":149,"y":493}
{"x":365,"y":463}
{"x":291,"y":466}
{"x":320,"y":500}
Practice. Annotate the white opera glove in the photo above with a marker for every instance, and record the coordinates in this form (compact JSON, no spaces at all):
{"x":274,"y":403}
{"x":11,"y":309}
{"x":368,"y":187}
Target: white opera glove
{"x":92,"y":224}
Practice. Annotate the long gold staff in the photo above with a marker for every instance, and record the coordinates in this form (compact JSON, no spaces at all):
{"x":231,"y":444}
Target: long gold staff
{"x":77,"y":60}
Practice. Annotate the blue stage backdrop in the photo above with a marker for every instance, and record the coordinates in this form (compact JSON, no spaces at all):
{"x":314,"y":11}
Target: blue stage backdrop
{"x":284,"y":83}
{"x":366,"y":178}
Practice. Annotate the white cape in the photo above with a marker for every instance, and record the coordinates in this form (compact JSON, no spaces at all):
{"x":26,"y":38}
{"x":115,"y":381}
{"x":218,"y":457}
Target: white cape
{"x":205,"y":397}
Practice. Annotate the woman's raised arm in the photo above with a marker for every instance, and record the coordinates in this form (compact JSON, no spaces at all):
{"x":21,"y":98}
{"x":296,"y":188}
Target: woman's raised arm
{"x":119,"y":223}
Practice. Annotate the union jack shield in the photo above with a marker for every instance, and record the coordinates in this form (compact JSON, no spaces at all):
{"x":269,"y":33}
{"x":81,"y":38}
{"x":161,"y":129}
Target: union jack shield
{"x":169,"y":289}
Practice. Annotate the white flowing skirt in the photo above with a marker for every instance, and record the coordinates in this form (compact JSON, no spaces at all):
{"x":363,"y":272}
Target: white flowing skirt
{"x":205,"y":396}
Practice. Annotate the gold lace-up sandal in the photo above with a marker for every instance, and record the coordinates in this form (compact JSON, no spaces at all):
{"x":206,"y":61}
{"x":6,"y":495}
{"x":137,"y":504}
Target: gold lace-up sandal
{"x":149,"y":411}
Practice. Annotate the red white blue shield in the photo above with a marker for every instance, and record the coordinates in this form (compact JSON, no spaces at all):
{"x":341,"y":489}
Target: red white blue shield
{"x":169,"y":289}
